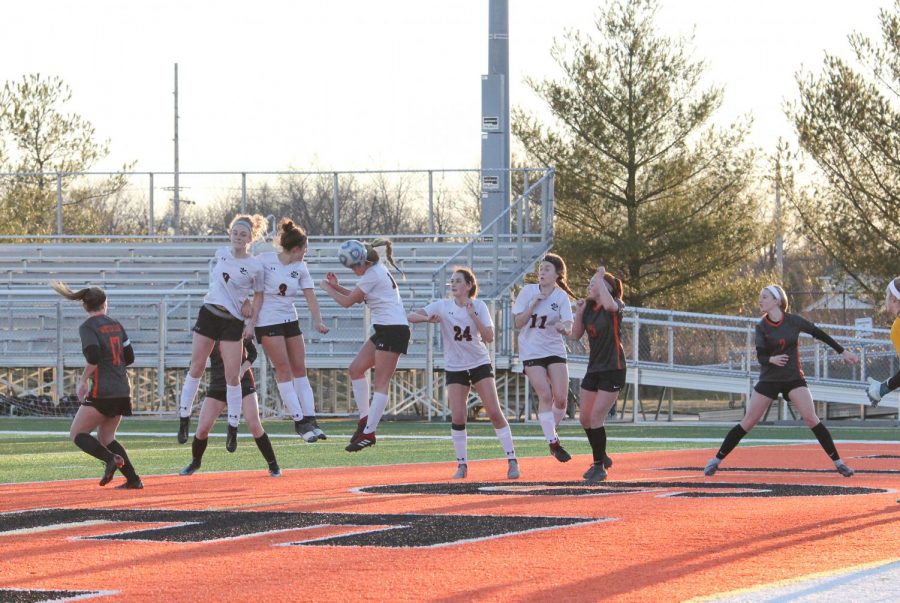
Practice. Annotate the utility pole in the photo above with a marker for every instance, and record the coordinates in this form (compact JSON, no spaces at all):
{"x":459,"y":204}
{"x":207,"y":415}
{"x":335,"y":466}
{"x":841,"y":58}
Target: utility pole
{"x":779,"y":233}
{"x":176,"y":214}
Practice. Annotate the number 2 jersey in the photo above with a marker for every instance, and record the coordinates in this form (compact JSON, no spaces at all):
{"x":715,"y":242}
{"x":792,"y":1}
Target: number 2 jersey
{"x":282,"y":284}
{"x":111,"y":378}
{"x":539,"y":337}
{"x":463,"y":348}
{"x":776,"y":338}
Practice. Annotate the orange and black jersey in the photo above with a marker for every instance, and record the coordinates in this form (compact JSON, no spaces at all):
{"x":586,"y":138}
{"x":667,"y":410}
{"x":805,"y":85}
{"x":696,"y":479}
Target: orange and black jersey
{"x":775,"y":338}
{"x":217,"y":367}
{"x":105,"y":343}
{"x":604,"y":331}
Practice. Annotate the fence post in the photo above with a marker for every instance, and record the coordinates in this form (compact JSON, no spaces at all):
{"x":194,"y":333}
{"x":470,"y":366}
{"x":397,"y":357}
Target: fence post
{"x":672,"y":359}
{"x":429,"y":366}
{"x":431,"y":202}
{"x":243,"y":192}
{"x":59,"y":204}
{"x":60,"y":364}
{"x":751,"y":334}
{"x":264,"y":379}
{"x":161,"y":351}
{"x":335,"y":200}
{"x":152,"y":211}
{"x":524,"y":220}
{"x":636,"y":396}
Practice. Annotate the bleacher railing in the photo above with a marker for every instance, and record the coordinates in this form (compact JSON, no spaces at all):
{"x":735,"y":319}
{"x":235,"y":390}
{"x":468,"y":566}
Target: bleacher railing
{"x":146,"y":200}
{"x":700,"y":348}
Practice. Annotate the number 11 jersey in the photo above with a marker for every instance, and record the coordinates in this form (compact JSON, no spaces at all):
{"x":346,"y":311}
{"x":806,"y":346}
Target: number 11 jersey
{"x":539,"y":337}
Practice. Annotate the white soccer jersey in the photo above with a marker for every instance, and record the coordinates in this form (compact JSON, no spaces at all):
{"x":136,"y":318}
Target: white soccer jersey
{"x":231,"y":280}
{"x":382,"y":296}
{"x":282,"y":284}
{"x":539,"y":337}
{"x":463,"y":348}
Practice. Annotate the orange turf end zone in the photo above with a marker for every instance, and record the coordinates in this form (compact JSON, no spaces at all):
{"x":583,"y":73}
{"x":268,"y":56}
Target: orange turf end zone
{"x":645,"y":542}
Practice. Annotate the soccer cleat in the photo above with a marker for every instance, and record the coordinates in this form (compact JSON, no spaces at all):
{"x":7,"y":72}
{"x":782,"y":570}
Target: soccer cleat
{"x":191,"y":468}
{"x":844,"y":469}
{"x":231,"y":439}
{"x":512,"y":472}
{"x":712,"y":466}
{"x":305,"y":429}
{"x":595,"y":474}
{"x":364,"y":440}
{"x":461,"y":472}
{"x":131,"y":485}
{"x":318,"y":430}
{"x":360,"y":426}
{"x":607,"y":462}
{"x":116,"y":462}
{"x":874,"y":391}
{"x":184,"y":425}
{"x":559,"y":453}
{"x":274,"y":470}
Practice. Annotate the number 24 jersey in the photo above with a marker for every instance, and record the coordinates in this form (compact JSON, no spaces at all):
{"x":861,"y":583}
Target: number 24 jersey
{"x":463,"y":348}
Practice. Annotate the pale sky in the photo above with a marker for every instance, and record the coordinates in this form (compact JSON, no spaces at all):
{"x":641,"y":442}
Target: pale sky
{"x":356,"y":84}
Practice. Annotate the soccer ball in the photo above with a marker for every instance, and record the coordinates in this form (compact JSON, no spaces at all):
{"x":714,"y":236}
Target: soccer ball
{"x":352,"y":253}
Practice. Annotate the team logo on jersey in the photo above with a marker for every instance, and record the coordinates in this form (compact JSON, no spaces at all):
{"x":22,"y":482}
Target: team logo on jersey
{"x":592,"y":331}
{"x":226,"y":276}
{"x":554,"y":306}
{"x":294,"y":274}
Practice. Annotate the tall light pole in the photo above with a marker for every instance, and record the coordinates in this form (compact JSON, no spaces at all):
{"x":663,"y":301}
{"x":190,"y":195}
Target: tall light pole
{"x":176,"y":214}
{"x":495,"y":180}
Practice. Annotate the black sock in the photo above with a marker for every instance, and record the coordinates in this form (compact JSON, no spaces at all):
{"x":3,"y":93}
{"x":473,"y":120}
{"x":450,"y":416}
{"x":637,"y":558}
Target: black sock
{"x":265,"y":447}
{"x":824,"y":437}
{"x":894,"y":382}
{"x":93,"y":447}
{"x":597,"y":440}
{"x":731,"y":440}
{"x":198,"y":447}
{"x":127,"y":469}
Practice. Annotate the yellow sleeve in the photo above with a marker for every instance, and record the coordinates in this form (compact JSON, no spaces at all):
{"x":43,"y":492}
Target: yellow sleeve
{"x":895,"y":335}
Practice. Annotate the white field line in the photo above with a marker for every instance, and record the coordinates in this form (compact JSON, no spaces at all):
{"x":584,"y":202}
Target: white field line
{"x":535,"y":438}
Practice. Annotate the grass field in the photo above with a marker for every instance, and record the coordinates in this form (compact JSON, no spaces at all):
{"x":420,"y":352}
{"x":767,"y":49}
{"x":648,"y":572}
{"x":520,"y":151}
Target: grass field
{"x":38,"y":449}
{"x":388,"y":524}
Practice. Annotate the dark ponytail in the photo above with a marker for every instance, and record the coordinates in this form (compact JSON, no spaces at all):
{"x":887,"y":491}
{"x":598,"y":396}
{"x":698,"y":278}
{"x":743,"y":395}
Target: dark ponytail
{"x":91,"y":297}
{"x":290,"y":236}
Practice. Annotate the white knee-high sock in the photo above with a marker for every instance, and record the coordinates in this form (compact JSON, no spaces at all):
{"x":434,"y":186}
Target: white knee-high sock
{"x":505,"y":436}
{"x":305,"y":393}
{"x":361,"y":395}
{"x":558,"y":414}
{"x":460,"y":441}
{"x":379,"y":403}
{"x":233,"y":399}
{"x":188,"y":393}
{"x":548,"y":426}
{"x":289,"y":397}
